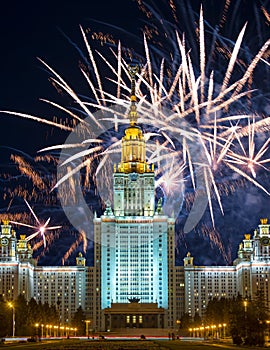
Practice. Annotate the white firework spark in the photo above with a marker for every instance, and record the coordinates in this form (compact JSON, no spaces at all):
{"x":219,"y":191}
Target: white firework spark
{"x":200,"y":114}
{"x":39,"y":228}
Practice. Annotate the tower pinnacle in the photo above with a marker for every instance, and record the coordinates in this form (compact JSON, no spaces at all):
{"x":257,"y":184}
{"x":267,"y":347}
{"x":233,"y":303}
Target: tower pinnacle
{"x":133,"y":115}
{"x":133,"y":159}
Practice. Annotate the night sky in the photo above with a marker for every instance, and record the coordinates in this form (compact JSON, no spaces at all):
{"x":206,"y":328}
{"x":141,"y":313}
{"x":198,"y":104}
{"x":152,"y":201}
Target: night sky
{"x":46,"y":29}
{"x":34,"y":29}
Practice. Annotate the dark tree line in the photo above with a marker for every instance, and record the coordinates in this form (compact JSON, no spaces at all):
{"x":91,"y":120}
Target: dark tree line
{"x":78,"y":321}
{"x":27,"y":314}
{"x":245,"y":319}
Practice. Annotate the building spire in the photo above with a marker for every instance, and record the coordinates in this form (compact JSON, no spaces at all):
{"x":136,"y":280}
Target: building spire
{"x":133,"y":115}
{"x":133,"y":159}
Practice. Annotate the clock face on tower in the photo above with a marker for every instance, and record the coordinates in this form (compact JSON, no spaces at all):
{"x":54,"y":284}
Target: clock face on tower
{"x":4,"y":241}
{"x":265,"y":241}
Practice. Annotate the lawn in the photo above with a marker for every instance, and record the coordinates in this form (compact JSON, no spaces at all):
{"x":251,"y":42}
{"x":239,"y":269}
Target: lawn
{"x":75,"y":344}
{"x":72,"y":344}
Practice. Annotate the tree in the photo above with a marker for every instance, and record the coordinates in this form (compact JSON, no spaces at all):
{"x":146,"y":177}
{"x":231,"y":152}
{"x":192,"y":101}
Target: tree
{"x":186,"y":321}
{"x":237,"y":321}
{"x":246,"y":318}
{"x":33,"y":312}
{"x":257,"y":314}
{"x":21,"y":312}
{"x":197,"y":320}
{"x":49,"y":314}
{"x":78,"y":321}
{"x":5,"y":318}
{"x":217,"y":311}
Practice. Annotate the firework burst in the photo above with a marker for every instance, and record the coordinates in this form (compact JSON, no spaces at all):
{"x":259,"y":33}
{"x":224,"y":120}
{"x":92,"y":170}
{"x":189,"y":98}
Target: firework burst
{"x":199,"y":110}
{"x":41,"y":228}
{"x":208,"y":108}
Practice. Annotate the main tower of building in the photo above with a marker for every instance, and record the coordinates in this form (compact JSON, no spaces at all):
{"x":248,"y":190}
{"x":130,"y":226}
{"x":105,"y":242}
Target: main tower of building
{"x":136,"y":240}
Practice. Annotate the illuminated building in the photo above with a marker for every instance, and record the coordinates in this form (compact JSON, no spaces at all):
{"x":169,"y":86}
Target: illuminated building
{"x":133,"y":272}
{"x":134,"y":282}
{"x":136,"y":254}
{"x":191,"y":286}
{"x":249,"y":274}
{"x":16,"y":265}
{"x":253,"y":263}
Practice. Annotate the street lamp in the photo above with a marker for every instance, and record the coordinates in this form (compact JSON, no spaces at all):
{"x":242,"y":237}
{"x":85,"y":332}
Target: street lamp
{"x":245,"y":309}
{"x":202,"y":334}
{"x":37,"y":325}
{"x":87,"y":327}
{"x":224,"y":330}
{"x":178,"y":323}
{"x":13,"y":318}
{"x":55,"y":330}
{"x":207,"y":331}
{"x":213,"y":327}
{"x":62,"y":331}
{"x":245,"y":305}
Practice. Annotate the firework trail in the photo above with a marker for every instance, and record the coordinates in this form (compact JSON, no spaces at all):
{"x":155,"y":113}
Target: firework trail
{"x":187,"y":99}
{"x":210,"y":107}
{"x":41,"y":228}
{"x":82,"y":238}
{"x":32,"y":179}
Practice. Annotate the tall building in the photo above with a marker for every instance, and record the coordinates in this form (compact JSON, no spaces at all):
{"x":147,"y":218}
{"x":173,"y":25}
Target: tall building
{"x":189,"y":287}
{"x":249,"y":274}
{"x":134,"y":282}
{"x":136,"y":254}
{"x":16,"y":264}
